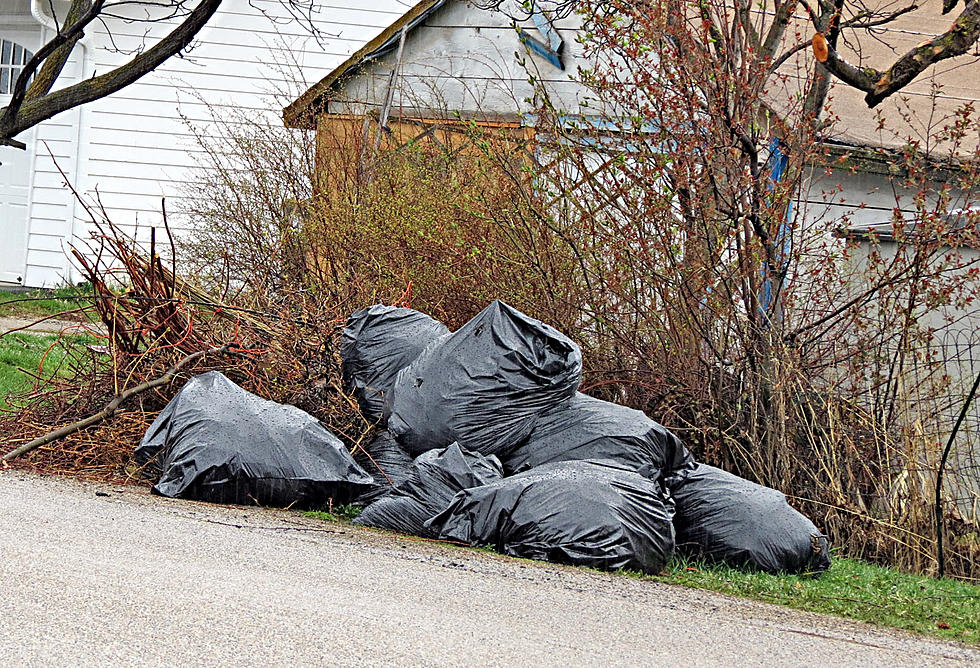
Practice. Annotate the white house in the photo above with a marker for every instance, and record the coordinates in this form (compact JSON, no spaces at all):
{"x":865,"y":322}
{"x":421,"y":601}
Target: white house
{"x":448,"y":57}
{"x":133,"y":147}
{"x":457,"y":57}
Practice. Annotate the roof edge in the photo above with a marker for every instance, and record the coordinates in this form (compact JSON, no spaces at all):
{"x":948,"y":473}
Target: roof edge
{"x":886,"y":160}
{"x":301,"y":112}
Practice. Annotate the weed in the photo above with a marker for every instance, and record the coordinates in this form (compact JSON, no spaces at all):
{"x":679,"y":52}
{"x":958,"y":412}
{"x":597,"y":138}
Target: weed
{"x":342,"y":513}
{"x":347,"y":512}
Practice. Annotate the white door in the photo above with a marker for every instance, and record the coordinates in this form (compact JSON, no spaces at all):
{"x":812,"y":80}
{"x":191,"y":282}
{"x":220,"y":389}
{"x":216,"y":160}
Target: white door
{"x":15,"y":165}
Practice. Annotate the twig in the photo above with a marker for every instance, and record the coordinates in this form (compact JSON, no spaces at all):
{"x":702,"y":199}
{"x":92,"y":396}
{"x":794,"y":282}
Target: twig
{"x":940,"y":555}
{"x":265,"y":528}
{"x":113,"y":405}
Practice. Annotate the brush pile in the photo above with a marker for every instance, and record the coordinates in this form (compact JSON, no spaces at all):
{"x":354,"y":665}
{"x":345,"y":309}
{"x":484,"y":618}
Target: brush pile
{"x":477,"y":436}
{"x":142,"y":320}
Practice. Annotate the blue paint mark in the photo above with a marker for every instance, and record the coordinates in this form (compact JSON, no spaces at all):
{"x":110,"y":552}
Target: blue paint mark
{"x":552,"y":49}
{"x":777,"y":163}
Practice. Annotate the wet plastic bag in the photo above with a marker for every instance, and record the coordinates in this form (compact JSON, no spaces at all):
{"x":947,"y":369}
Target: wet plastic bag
{"x":377,"y":343}
{"x":722,"y":517}
{"x":386,"y":462}
{"x":595,"y":514}
{"x":586,"y":428}
{"x":485,"y":385}
{"x":434,"y":478}
{"x":217,"y":442}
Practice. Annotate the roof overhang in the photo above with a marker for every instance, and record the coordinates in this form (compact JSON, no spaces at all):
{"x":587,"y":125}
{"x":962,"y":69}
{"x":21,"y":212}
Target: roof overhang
{"x":303,"y":111}
{"x":886,"y":161}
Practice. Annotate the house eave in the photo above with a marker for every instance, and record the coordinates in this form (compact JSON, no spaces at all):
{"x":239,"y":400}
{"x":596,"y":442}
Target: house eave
{"x":884,"y":161}
{"x":303,"y":111}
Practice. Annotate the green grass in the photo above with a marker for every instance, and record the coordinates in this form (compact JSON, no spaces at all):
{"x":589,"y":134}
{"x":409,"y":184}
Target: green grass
{"x":41,"y":303}
{"x":947,"y":609}
{"x":344,"y":513}
{"x":25,"y":351}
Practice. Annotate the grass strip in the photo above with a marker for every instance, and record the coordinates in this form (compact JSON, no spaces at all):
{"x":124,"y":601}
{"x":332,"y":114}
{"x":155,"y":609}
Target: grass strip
{"x":41,"y":303}
{"x":26,"y":350}
{"x":342,"y":513}
{"x":947,"y":608}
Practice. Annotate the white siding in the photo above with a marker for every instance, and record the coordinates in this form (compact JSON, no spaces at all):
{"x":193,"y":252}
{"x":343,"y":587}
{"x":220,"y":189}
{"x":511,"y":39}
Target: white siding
{"x":851,"y":199}
{"x":134,"y":146}
{"x":469,"y":60}
{"x":52,"y":204}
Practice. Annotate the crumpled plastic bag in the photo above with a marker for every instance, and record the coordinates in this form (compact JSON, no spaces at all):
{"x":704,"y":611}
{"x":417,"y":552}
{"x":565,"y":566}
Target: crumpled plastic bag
{"x":585,"y":428}
{"x":722,"y":517}
{"x":217,"y":442}
{"x":594,"y":514}
{"x":434,"y":478}
{"x":386,"y":461}
{"x":485,"y":385}
{"x":377,"y":343}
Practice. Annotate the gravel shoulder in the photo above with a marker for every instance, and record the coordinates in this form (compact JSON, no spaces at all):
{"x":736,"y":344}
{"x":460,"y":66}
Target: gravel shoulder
{"x":103,"y":574}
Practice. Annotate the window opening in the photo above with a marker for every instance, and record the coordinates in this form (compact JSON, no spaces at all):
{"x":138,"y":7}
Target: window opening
{"x":13,"y":57}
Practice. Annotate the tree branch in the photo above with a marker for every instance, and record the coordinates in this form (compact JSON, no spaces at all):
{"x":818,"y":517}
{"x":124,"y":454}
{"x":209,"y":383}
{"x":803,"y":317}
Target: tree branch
{"x":113,"y":405}
{"x":36,"y":111}
{"x":878,"y":85}
{"x":816,"y":94}
{"x":67,"y":36}
{"x":778,"y":28}
{"x":80,"y":14}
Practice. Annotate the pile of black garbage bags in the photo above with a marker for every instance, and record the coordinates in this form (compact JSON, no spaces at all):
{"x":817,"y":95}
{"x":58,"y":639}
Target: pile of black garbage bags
{"x":485,"y":440}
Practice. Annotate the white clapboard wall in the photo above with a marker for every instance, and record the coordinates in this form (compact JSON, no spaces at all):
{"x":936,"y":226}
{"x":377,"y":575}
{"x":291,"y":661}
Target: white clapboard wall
{"x":468,"y":60}
{"x":132,"y":148}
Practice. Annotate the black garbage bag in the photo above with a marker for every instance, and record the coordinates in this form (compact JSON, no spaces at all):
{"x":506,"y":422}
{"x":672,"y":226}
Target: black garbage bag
{"x":388,"y":464}
{"x":377,"y":343}
{"x":484,"y":385}
{"x":585,"y":428}
{"x":594,"y":514}
{"x":434,"y":479}
{"x":217,"y":442}
{"x":722,"y":517}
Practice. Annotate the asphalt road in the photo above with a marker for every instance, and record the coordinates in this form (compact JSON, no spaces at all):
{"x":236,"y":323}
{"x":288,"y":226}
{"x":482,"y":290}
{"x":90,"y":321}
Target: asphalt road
{"x":100,"y":575}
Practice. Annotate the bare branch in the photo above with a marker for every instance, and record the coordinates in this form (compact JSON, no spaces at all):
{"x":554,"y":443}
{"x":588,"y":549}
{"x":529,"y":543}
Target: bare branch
{"x":65,"y":37}
{"x":16,"y":120}
{"x":114,"y":404}
{"x":80,"y":14}
{"x":778,"y":27}
{"x":878,"y":84}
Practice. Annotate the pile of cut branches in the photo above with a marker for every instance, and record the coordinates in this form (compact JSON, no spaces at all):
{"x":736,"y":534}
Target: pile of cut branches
{"x":86,"y":414}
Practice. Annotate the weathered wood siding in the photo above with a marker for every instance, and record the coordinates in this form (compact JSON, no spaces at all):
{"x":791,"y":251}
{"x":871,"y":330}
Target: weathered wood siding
{"x":341,"y":148}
